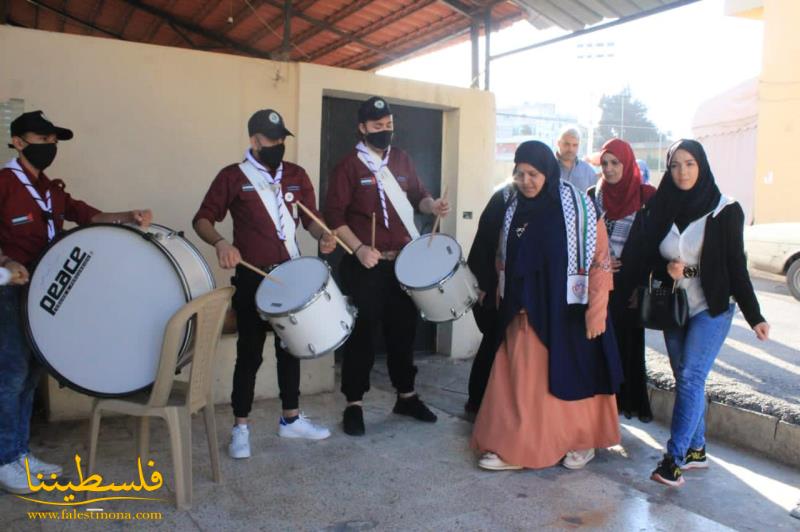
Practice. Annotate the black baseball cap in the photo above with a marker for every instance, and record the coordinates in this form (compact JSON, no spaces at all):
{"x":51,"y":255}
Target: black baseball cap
{"x":373,"y":109}
{"x":37,"y":122}
{"x":269,"y":123}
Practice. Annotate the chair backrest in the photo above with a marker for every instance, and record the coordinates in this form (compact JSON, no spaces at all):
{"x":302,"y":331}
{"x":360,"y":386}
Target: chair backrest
{"x":209,"y":313}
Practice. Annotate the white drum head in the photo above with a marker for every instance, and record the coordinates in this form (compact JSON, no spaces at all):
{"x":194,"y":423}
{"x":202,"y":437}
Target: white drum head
{"x":97,"y":305}
{"x":422,"y":266}
{"x":301,"y":279}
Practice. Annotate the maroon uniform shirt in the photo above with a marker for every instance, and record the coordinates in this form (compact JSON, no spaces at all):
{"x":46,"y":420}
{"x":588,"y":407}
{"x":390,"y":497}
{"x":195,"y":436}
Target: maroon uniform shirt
{"x":254,"y":233}
{"x":23,"y":226}
{"x":353,"y":197}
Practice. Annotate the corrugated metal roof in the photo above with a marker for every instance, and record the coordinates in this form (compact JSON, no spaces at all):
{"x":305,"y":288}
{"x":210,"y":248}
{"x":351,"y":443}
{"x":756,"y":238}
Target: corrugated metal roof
{"x":357,"y":34}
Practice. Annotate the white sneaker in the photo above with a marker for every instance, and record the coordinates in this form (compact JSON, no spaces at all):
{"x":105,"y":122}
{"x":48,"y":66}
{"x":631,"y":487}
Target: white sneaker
{"x":240,"y":442}
{"x":39,"y":466}
{"x":302,"y":428}
{"x":578,"y":459}
{"x":493,"y":462}
{"x":14,"y":478}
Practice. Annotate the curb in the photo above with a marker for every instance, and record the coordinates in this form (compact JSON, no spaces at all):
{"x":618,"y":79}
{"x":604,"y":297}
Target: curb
{"x":765,"y":434}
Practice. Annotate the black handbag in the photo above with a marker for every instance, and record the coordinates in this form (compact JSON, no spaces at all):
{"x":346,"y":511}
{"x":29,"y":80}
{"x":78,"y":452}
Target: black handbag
{"x":662,"y":308}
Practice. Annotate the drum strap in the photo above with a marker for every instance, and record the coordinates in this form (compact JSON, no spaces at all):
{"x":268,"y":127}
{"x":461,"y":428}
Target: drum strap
{"x":388,"y":186}
{"x":271,"y":194}
{"x":46,"y":205}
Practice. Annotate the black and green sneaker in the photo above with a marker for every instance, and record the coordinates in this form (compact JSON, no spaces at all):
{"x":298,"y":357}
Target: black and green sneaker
{"x":668,"y":472}
{"x":695,"y":459}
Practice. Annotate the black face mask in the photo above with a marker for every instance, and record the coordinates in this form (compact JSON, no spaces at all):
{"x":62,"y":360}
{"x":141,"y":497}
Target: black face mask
{"x":272,"y":155}
{"x":40,"y":155}
{"x":380,"y":139}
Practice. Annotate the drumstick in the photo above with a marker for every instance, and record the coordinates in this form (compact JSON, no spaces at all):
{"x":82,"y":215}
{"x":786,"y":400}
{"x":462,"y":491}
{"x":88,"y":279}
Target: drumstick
{"x":260,"y":272}
{"x":438,"y":219}
{"x":373,"y":230}
{"x":324,"y":227}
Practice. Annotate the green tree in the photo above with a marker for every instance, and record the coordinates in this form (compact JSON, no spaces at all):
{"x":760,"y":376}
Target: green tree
{"x":626,"y":118}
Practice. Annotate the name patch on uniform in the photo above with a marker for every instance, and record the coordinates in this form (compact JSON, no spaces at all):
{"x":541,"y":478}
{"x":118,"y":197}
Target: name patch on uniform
{"x":293,"y":188}
{"x":19,"y":220}
{"x":248,"y":188}
{"x":367,"y":181}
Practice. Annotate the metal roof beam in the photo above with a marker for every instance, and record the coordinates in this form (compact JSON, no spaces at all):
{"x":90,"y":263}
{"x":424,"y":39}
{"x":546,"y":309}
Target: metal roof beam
{"x":197,"y":30}
{"x":73,"y":19}
{"x":332,"y":19}
{"x":372,"y":28}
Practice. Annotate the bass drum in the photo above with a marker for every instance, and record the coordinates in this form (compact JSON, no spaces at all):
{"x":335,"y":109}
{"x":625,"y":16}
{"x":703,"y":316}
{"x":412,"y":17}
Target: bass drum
{"x":99,"y":299}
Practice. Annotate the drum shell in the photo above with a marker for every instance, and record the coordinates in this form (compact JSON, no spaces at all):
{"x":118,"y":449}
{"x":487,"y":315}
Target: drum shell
{"x":196,"y":272}
{"x":450,"y":299}
{"x":450,"y":293}
{"x":317,"y":327}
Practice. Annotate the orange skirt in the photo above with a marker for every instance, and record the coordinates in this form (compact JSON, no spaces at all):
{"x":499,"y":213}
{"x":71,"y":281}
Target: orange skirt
{"x":526,"y":425}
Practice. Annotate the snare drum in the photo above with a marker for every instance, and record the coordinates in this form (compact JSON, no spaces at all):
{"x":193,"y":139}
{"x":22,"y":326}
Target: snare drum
{"x":436,"y":277}
{"x":99,"y":299}
{"x":306,"y":310}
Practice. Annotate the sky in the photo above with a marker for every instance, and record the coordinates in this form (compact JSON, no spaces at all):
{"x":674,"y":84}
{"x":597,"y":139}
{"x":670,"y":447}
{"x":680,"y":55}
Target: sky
{"x":672,"y":62}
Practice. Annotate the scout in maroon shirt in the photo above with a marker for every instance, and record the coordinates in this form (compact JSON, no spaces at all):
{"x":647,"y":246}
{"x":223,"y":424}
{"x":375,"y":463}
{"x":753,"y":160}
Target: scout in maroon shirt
{"x":264,"y":242}
{"x":33,"y":209}
{"x":355,"y":195}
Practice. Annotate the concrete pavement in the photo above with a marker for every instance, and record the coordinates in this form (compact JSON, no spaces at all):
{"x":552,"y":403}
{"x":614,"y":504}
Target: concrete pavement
{"x":406,"y":475}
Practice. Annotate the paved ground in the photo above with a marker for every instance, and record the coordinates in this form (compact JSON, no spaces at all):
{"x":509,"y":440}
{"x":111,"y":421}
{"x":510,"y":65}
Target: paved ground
{"x":406,"y":475}
{"x":759,"y":376}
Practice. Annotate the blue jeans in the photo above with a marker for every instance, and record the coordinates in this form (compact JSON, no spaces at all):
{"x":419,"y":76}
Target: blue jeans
{"x":692,"y":351}
{"x":19,"y":375}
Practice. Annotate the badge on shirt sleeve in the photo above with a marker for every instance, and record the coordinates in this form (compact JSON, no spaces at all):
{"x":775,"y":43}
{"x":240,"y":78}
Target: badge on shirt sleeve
{"x":248,"y":188}
{"x":367,"y":181}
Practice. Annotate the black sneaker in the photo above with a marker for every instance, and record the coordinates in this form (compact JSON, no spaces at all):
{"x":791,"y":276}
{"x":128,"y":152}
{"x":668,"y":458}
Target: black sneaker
{"x":414,"y":407}
{"x":668,"y":472}
{"x":353,"y":420}
{"x":695,"y":459}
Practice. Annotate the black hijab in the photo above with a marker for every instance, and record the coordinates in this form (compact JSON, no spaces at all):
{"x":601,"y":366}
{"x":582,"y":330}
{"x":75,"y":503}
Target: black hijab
{"x":540,"y":156}
{"x":681,"y":207}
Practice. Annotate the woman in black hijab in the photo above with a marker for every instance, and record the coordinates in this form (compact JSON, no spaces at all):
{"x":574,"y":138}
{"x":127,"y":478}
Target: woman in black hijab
{"x":694,"y":239}
{"x":550,"y":391}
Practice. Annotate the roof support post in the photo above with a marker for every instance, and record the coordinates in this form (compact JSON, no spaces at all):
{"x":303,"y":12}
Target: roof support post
{"x":487,"y":30}
{"x":474,"y":34}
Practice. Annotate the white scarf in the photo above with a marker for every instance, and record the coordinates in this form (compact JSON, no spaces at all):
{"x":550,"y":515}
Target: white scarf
{"x":388,"y":188}
{"x":271,"y":194}
{"x":46,"y":205}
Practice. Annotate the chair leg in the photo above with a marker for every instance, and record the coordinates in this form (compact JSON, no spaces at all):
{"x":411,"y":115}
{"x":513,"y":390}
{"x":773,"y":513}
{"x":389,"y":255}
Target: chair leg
{"x":144,"y":438}
{"x":180,"y":437}
{"x":213,"y":444}
{"x":94,"y":432}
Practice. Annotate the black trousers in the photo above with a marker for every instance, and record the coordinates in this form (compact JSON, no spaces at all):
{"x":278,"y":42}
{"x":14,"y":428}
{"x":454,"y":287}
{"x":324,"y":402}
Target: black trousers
{"x":487,"y":320}
{"x":380,"y":302}
{"x":632,"y":396}
{"x":250,"y":346}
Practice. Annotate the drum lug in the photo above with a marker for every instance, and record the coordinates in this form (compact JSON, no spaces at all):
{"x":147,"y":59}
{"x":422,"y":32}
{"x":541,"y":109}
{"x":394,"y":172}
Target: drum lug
{"x":453,"y":312}
{"x":344,"y":325}
{"x":292,"y":319}
{"x":312,"y":349}
{"x":440,"y":288}
{"x":279,"y":326}
{"x":327,"y":295}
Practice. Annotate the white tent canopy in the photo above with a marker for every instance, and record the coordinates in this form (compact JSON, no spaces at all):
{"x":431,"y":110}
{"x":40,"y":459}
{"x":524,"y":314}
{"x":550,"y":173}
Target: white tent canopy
{"x":726,"y":126}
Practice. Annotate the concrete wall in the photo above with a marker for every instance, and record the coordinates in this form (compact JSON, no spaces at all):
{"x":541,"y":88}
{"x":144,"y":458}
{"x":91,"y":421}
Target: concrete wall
{"x":153,"y":125}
